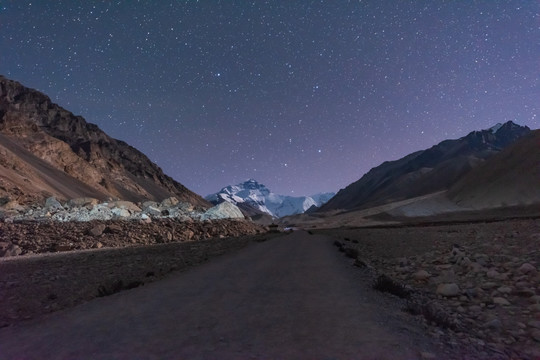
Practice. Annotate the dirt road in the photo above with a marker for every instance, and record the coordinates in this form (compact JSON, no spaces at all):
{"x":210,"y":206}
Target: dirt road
{"x":293,"y":297}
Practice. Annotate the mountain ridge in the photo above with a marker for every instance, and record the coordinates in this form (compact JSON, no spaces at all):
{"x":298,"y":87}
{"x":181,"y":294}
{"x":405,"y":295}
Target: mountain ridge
{"x":425,"y":171}
{"x":92,"y":160}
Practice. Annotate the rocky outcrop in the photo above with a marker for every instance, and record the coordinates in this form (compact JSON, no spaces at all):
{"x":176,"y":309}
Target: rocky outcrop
{"x":46,"y":150}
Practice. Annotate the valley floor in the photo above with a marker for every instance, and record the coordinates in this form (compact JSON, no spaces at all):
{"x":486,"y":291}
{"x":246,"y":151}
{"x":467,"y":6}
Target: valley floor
{"x":291,"y":297}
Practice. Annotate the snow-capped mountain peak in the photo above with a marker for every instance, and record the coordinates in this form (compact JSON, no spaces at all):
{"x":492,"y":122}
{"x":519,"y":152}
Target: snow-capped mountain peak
{"x":495,"y":128}
{"x":258,"y":196}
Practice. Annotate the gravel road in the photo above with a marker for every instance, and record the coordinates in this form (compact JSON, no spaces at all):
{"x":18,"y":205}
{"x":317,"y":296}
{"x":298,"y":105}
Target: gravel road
{"x":292,"y":297}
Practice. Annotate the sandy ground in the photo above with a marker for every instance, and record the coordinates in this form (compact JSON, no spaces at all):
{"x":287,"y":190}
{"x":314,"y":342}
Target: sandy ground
{"x":293,"y":297}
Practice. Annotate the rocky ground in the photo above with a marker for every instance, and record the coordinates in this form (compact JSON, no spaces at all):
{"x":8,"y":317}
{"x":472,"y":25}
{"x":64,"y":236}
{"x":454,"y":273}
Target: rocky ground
{"x":85,"y":223}
{"x":28,"y":237}
{"x":476,"y":283}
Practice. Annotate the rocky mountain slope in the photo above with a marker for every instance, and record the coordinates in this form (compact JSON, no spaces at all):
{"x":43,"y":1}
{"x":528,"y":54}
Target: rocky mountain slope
{"x":427,"y":171}
{"x":47,"y":151}
{"x":251,"y":196}
{"x":509,"y":178}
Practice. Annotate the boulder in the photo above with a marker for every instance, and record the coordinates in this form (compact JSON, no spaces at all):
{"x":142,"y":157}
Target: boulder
{"x":83,"y":202}
{"x":225,"y":210}
{"x":125,"y":205}
{"x":120,"y":213}
{"x":100,"y":212}
{"x":168,"y":203}
{"x":97,"y":230}
{"x":9,"y":249}
{"x":152,"y":211}
{"x":13,"y":206}
{"x":51,"y":204}
{"x":145,"y":205}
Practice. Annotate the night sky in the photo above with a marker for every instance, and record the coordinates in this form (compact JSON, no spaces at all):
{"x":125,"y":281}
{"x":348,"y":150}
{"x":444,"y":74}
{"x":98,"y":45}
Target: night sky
{"x":304,"y":96}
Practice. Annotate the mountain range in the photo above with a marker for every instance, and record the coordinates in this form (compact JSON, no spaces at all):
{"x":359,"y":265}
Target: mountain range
{"x":46,"y":151}
{"x":428,"y":171}
{"x":255,"y":198}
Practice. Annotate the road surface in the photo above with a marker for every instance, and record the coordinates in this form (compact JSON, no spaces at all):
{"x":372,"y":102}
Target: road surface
{"x":292,"y":297}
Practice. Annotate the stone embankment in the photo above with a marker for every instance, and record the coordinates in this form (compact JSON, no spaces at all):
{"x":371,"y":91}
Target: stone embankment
{"x":34,"y":285}
{"x":478,"y":283}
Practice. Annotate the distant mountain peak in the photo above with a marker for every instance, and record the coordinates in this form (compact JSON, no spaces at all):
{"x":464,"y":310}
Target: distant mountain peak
{"x":508,"y":126}
{"x":257,"y":196}
{"x":495,"y":127}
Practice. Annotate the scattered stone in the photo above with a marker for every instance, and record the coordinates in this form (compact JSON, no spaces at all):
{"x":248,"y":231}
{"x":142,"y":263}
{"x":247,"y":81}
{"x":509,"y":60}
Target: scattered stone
{"x":421,"y":275}
{"x":488,"y":285}
{"x":535,"y":334}
{"x":448,"y":290}
{"x":188,"y":234}
{"x":113,"y":228}
{"x":526,"y":268}
{"x":62,"y":247}
{"x":501,"y":301}
{"x":534,"y":324}
{"x":98,"y":230}
{"x":505,"y":290}
{"x":493,"y":324}
{"x":427,"y":355}
{"x":493,"y":274}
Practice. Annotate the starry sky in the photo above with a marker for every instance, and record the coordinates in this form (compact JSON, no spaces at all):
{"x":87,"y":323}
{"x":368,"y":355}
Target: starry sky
{"x":304,"y":96}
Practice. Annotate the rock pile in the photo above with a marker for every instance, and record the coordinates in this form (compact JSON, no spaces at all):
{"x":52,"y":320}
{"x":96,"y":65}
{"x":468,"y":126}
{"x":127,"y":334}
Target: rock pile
{"x":88,"y":209}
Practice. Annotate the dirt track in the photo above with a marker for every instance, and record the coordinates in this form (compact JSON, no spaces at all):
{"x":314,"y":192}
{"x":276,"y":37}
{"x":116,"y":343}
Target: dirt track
{"x":294,"y":297}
